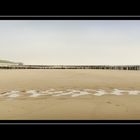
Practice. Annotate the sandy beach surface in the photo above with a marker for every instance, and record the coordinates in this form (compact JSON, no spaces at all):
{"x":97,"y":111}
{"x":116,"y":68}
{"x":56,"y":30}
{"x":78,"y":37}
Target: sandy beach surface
{"x":69,"y":94}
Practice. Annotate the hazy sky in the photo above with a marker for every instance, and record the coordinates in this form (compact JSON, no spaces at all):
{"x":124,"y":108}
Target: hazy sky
{"x":91,"y":42}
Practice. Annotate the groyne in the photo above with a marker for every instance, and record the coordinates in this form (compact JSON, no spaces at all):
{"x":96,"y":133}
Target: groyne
{"x":110,"y":67}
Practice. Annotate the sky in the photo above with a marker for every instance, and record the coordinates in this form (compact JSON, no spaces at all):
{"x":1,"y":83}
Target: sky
{"x":71,"y":42}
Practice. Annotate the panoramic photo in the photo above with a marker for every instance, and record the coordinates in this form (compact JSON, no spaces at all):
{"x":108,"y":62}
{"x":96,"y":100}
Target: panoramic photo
{"x":69,"y":70}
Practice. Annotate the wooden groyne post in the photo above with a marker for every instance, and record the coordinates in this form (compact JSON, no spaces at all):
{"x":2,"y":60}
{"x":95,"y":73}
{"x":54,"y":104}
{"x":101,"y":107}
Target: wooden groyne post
{"x":104,"y":67}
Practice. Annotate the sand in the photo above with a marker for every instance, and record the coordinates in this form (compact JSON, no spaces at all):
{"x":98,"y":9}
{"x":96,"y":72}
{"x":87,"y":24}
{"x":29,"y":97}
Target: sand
{"x":87,"y":107}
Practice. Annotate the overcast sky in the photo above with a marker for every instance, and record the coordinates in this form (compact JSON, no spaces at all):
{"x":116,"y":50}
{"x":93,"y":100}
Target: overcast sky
{"x":89,"y":42}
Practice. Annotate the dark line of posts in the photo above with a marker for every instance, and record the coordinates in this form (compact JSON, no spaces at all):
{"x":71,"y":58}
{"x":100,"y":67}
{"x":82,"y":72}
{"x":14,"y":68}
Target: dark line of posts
{"x":130,"y":67}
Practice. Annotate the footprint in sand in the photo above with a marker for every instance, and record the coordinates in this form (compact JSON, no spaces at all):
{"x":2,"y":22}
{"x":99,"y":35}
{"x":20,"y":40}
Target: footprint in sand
{"x":111,"y":103}
{"x":117,"y":105}
{"x":108,"y":102}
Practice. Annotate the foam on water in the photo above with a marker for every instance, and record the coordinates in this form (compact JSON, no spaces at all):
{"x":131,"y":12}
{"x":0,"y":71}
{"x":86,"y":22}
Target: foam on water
{"x":135,"y":92}
{"x":100,"y":93}
{"x":47,"y":92}
{"x":53,"y":93}
{"x":89,"y":90}
{"x":80,"y":94}
{"x":33,"y":93}
{"x":12,"y":94}
{"x":117,"y":92}
{"x":69,"y":92}
{"x":63,"y":94}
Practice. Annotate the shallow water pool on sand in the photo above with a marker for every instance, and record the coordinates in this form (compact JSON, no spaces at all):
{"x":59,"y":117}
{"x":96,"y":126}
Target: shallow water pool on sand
{"x":69,"y":92}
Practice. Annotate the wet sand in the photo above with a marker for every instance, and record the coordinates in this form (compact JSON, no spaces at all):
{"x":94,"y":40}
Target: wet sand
{"x":86,"y":107}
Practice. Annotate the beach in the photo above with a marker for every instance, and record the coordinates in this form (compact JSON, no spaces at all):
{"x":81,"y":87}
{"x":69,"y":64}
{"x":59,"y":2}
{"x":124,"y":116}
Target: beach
{"x":74,"y":94}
